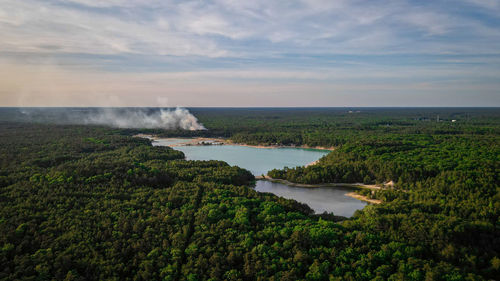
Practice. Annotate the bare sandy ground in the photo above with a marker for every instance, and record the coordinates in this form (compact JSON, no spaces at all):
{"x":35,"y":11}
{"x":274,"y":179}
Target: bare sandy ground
{"x":363,"y":198}
{"x":196,"y":141}
{"x":280,"y":146}
{"x":312,"y":163}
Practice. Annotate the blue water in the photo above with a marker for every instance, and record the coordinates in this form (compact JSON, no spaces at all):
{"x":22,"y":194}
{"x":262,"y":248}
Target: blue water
{"x":320,"y":199}
{"x":261,"y":160}
{"x":257,"y":160}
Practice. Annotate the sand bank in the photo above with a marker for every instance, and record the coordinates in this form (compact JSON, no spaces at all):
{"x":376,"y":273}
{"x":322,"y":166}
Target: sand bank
{"x":199,"y":141}
{"x":363,"y":198}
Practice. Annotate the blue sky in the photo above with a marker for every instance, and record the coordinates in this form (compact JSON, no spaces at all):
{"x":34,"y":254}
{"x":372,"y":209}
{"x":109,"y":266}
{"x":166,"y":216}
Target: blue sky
{"x":249,"y":53}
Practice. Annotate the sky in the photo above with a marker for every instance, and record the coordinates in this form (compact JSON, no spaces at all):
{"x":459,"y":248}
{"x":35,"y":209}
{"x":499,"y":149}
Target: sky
{"x":249,"y":53}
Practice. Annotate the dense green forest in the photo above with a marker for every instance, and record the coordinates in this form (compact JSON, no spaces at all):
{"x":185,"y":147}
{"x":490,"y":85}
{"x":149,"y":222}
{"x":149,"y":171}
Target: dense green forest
{"x":92,"y":203}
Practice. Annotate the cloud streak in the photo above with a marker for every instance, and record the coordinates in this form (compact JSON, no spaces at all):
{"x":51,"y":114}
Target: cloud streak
{"x":225,"y":28}
{"x":77,"y":50}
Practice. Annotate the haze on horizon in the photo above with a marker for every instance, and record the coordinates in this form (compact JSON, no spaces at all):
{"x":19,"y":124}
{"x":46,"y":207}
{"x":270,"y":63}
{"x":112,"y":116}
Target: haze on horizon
{"x":249,"y":53}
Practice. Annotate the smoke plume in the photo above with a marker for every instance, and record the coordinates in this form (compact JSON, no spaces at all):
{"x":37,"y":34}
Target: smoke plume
{"x":180,"y":118}
{"x":140,"y":118}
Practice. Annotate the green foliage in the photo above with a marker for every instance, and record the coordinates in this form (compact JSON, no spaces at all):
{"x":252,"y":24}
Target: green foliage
{"x":91,"y":203}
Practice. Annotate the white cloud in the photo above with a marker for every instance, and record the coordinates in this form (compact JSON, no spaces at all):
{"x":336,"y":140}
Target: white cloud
{"x":431,"y":22}
{"x":486,"y":4}
{"x":231,"y":46}
{"x":229,"y":28}
{"x":34,"y":26}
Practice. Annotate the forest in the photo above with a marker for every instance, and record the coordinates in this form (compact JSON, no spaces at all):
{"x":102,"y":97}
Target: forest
{"x":92,"y":203}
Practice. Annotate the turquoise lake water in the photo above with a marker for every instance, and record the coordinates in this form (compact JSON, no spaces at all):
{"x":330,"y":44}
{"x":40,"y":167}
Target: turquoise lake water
{"x":261,"y":160}
{"x":257,"y":160}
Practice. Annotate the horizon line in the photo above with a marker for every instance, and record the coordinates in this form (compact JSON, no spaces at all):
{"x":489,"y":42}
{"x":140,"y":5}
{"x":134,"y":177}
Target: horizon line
{"x":270,"y":107}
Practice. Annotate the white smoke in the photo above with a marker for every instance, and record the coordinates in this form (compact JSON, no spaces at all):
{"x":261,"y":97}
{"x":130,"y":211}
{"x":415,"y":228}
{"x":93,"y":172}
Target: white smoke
{"x":180,"y":118}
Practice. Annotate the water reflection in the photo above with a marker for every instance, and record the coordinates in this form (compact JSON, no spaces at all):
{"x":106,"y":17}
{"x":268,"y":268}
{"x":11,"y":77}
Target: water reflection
{"x":320,"y":199}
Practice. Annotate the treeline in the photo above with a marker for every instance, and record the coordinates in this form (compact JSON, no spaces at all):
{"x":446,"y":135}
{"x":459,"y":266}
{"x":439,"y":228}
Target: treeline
{"x":332,"y":126}
{"x":444,"y":195}
{"x":83,"y":203}
{"x":404,"y":159}
{"x":337,"y":126}
{"x":92,"y":203}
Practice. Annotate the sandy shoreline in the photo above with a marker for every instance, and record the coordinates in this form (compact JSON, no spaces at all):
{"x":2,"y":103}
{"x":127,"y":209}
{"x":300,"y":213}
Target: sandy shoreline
{"x":221,"y":141}
{"x":281,"y":146}
{"x":197,"y":141}
{"x":363,"y":198}
{"x":350,"y":194}
{"x":361,"y":185}
{"x":312,"y":163}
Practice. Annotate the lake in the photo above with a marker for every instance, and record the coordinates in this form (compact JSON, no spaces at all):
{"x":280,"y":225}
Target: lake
{"x":257,"y":160}
{"x":320,"y":199}
{"x":261,"y":160}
